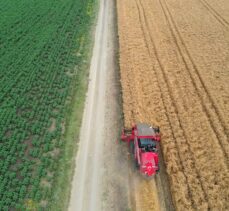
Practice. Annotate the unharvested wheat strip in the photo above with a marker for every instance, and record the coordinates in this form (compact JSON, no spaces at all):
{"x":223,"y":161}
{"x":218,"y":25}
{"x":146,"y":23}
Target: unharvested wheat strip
{"x":126,"y":91}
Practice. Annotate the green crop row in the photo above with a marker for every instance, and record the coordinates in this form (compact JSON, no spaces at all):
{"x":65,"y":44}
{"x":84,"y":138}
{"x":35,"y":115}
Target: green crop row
{"x":41,"y":52}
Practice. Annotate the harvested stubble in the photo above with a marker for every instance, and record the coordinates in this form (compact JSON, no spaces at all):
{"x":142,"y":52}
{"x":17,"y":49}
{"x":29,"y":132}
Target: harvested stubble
{"x":174,"y":73}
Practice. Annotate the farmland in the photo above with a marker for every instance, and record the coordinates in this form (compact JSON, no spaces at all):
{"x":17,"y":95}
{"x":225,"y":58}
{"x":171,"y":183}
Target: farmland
{"x":171,"y":58}
{"x":43,"y":52}
{"x":174,"y":73}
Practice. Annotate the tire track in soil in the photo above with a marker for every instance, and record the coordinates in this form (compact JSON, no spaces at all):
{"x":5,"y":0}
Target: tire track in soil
{"x":170,"y":120}
{"x":212,"y":11}
{"x":215,"y":118}
{"x":131,"y":184}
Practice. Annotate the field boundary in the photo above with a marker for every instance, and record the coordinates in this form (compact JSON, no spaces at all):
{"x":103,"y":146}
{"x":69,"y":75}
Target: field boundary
{"x":62,"y":185}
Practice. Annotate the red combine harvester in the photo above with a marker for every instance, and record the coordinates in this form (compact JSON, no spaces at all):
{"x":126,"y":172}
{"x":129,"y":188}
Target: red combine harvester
{"x":143,"y":140}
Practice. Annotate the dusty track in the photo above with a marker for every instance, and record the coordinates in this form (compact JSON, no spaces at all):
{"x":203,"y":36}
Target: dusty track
{"x":101,"y":174}
{"x":174,"y":70}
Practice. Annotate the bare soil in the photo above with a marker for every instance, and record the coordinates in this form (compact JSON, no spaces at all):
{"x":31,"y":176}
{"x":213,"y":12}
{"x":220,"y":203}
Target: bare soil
{"x":174,"y":60}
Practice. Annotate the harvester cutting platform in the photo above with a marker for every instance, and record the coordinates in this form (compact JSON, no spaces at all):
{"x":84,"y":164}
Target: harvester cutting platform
{"x":143,"y":141}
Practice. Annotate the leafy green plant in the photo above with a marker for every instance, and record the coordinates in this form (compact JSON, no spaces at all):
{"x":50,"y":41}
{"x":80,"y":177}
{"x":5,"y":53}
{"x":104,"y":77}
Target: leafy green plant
{"x":40,"y":46}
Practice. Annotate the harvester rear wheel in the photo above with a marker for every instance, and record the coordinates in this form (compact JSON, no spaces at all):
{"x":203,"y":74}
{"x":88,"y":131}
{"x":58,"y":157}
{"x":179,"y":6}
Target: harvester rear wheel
{"x":136,"y":164}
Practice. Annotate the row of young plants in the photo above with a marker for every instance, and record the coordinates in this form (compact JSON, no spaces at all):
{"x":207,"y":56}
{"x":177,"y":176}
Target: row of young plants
{"x":40,"y":50}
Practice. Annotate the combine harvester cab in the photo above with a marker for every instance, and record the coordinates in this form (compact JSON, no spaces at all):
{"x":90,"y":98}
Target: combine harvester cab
{"x":143,"y":139}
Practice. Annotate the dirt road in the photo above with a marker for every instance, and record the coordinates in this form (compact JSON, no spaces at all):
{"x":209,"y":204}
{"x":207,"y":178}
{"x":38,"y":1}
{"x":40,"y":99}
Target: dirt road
{"x":101,"y":175}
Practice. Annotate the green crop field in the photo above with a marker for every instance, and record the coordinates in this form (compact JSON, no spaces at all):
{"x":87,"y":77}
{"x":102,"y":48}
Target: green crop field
{"x":43,"y":56}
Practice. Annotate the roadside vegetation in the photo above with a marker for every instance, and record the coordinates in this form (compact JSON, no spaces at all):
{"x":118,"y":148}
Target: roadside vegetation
{"x":44,"y":51}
